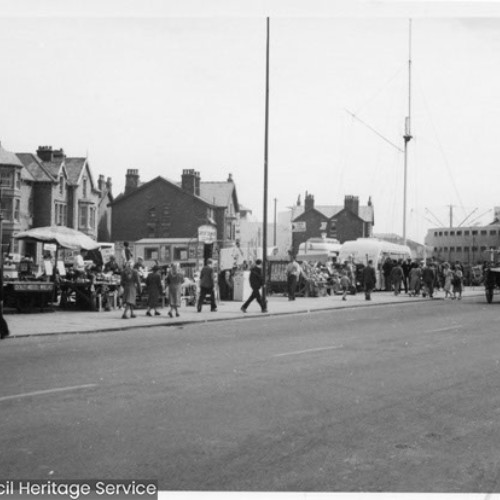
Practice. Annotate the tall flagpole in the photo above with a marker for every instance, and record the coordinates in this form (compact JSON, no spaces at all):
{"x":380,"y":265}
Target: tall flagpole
{"x":407,"y":138}
{"x":266,"y":133}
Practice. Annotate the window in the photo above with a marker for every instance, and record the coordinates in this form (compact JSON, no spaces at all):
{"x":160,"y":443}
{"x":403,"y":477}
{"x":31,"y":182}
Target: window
{"x":446,"y":233}
{"x":452,"y":249}
{"x":180,"y":253}
{"x":6,"y":179}
{"x":483,"y":249}
{"x":493,"y":232}
{"x":445,"y":249}
{"x":83,"y":217}
{"x":474,"y":233}
{"x":85,"y":188}
{"x":435,"y":233}
{"x":92,"y":214}
{"x":459,"y":249}
{"x":151,"y":253}
{"x":61,"y":185}
{"x":6,"y":208}
{"x":17,"y":209}
{"x":61,"y":214}
{"x":484,"y":232}
{"x":435,"y":249}
{"x":452,"y":233}
{"x":474,"y":249}
{"x":466,"y":233}
{"x":440,"y":233}
{"x":210,"y":213}
{"x":18,"y":180}
{"x":459,"y":233}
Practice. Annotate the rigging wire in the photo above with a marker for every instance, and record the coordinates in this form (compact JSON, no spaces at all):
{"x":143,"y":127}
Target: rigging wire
{"x":440,"y":146}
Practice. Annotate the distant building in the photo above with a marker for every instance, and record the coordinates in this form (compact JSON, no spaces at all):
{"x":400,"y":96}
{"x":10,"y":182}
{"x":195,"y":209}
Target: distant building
{"x":44,"y":189}
{"x":469,"y":245}
{"x":164,"y":209}
{"x":347,"y":222}
{"x":418,"y":250}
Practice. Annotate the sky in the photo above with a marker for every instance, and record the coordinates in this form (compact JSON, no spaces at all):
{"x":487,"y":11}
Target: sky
{"x":166,"y":86}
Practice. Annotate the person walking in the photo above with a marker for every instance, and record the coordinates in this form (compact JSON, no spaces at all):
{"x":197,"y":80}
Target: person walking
{"x":415,"y":279}
{"x":293,"y":272}
{"x":457,"y":282}
{"x":448,"y":277}
{"x":207,"y":284}
{"x":126,"y":253}
{"x":397,"y":277}
{"x":387,"y":269}
{"x":130,"y":282}
{"x":155,"y":289}
{"x":428,"y":276}
{"x":345,"y":283}
{"x":369,"y":280}
{"x":407,"y":266}
{"x":174,"y":281}
{"x":256,"y":283}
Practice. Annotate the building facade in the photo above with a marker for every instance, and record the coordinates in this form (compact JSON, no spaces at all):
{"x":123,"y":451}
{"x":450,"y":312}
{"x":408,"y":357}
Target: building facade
{"x":470,"y":245}
{"x":344,"y":223}
{"x":47,"y":188}
{"x":163,"y":209}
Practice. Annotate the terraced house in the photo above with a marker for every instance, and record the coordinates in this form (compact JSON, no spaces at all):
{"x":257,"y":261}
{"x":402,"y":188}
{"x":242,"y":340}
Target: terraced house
{"x":48,"y":188}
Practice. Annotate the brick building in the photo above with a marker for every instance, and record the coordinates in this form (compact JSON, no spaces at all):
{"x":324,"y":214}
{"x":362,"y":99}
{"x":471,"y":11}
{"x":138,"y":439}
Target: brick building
{"x":161,"y":208}
{"x":44,"y":189}
{"x":347,"y":222}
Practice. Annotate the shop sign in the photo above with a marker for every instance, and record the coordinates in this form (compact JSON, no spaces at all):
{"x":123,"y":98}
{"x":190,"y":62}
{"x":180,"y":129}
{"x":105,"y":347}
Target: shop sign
{"x":299,"y":227}
{"x":207,"y":234}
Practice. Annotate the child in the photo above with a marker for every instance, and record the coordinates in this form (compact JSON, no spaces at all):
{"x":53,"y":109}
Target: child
{"x":345,"y":284}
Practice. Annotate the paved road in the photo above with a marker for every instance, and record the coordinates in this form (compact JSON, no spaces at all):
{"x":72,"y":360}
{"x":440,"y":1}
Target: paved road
{"x":390,"y":398}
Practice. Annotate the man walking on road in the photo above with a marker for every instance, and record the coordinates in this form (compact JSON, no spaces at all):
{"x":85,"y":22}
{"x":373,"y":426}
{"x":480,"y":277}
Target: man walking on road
{"x":207,"y":284}
{"x":369,"y":280}
{"x":256,"y":282}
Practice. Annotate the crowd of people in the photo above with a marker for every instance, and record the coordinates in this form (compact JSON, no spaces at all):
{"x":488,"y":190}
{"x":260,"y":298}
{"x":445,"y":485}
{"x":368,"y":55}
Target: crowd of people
{"x":411,"y":276}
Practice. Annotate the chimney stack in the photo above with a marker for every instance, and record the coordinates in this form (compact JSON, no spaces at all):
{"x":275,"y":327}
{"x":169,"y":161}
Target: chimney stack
{"x":45,"y":153}
{"x":131,"y":180}
{"x":308,"y":202}
{"x":109,"y":184}
{"x":191,"y":181}
{"x":352,"y":204}
{"x":101,"y":183}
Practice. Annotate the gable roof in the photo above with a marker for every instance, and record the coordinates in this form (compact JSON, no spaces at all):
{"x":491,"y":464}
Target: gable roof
{"x":74,"y":168}
{"x":329,"y":211}
{"x":8,"y":158}
{"x":34,"y":167}
{"x":159,"y":178}
{"x":219,"y":193}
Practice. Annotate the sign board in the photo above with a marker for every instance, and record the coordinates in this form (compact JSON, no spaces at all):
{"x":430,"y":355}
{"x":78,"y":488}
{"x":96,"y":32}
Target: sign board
{"x":207,"y":234}
{"x":299,"y":227}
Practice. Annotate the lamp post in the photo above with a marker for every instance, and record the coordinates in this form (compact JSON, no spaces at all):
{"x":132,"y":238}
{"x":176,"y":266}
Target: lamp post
{"x":264,"y":236}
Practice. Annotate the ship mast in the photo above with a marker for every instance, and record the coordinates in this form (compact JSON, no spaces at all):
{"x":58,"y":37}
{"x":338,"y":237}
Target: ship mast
{"x":407,"y":138}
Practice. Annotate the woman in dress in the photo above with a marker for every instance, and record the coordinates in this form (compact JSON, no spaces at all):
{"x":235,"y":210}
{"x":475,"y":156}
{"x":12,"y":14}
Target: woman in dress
{"x":155,"y":289}
{"x":130,"y":282}
{"x":448,"y":276}
{"x":174,"y":281}
{"x":415,"y":279}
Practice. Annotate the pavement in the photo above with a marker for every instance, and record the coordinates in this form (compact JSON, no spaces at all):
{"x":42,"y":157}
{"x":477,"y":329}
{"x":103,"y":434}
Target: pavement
{"x":58,"y":322}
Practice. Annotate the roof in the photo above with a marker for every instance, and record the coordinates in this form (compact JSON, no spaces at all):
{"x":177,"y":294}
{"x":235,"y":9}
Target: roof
{"x":8,"y":158}
{"x":329,"y":211}
{"x":33,"y":165}
{"x":217,"y":193}
{"x":53,"y":167}
{"x":74,"y":168}
{"x":159,"y":178}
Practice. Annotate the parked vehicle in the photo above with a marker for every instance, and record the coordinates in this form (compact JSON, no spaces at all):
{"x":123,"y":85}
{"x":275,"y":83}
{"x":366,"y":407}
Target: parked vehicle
{"x":362,"y":250}
{"x":319,"y":250}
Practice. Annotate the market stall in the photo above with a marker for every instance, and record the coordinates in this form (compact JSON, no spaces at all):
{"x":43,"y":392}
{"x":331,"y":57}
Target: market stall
{"x":28,"y":290}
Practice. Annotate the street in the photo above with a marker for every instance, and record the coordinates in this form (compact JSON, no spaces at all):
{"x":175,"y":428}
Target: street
{"x":394,"y":398}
